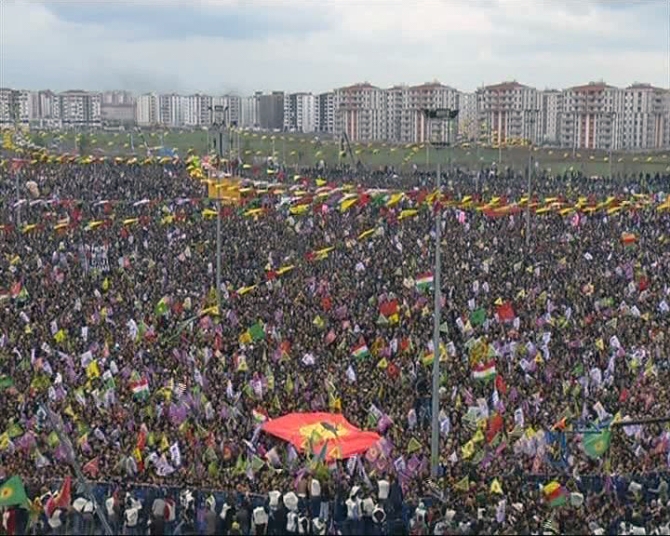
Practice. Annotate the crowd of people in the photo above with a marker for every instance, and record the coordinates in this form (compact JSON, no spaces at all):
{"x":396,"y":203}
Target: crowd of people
{"x":111,"y":340}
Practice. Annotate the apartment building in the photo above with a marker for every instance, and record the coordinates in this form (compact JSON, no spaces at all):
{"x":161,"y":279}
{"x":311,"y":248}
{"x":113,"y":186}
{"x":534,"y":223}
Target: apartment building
{"x":80,"y":108}
{"x":325,"y":113}
{"x":16,"y":106}
{"x":510,"y":111}
{"x":271,"y":111}
{"x":415,"y":127}
{"x":551,"y":108}
{"x":249,"y":111}
{"x":468,"y":118}
{"x":644,"y":117}
{"x":591,"y":117}
{"x":146,"y":110}
{"x":116,"y":98}
{"x":300,"y":112}
{"x":360,"y":112}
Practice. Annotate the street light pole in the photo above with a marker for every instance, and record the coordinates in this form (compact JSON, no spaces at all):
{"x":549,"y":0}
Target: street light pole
{"x":532,"y":120}
{"x":450,"y":115}
{"x":613,"y":119}
{"x":220,"y":128}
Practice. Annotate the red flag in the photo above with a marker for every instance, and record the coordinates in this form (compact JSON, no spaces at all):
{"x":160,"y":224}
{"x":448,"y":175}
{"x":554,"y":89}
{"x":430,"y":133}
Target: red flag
{"x":494,"y":425}
{"x":330,"y":337}
{"x":500,"y":385}
{"x":505,"y":312}
{"x":389,"y":308}
{"x":142,"y":439}
{"x":91,"y":468}
{"x":393,"y":371}
{"x":62,"y":499}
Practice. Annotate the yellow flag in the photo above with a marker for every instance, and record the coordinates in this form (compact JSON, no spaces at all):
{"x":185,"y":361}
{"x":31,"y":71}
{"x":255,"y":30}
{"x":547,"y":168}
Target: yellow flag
{"x":407,"y":214}
{"x":365,"y":234}
{"x":245,"y":338}
{"x":348,"y":203}
{"x":496,"y":487}
{"x":92,"y":370}
{"x":60,"y":336}
{"x":298,"y":209}
{"x":285,"y":269}
{"x":4,"y":441}
{"x":468,"y":450}
{"x":413,"y":445}
{"x":463,"y":484}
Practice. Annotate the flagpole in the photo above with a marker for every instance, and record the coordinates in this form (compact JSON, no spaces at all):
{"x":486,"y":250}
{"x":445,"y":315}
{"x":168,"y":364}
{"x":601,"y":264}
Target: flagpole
{"x":449,"y":115}
{"x":72,"y":458}
{"x":435,"y":428}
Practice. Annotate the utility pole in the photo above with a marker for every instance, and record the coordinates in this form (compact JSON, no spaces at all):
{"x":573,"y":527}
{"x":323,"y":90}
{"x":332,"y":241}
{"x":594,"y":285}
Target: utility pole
{"x":449,"y":115}
{"x":56,"y":424}
{"x":220,"y":126}
{"x":613,"y":121}
{"x":532,"y":118}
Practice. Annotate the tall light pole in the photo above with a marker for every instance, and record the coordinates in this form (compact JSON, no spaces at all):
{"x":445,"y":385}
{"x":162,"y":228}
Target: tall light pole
{"x":450,"y":115}
{"x":613,"y":121}
{"x":531,"y":119}
{"x":220,"y":126}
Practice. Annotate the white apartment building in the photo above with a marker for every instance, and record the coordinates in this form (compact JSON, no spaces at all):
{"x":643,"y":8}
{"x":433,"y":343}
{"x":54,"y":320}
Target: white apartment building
{"x":249,"y":111}
{"x":146,"y":110}
{"x":299,"y":112}
{"x":591,"y":117}
{"x":6,"y":106}
{"x":225,"y":108}
{"x":397,"y":122}
{"x":644,"y":117}
{"x":415,"y":128}
{"x":511,"y":112}
{"x":468,"y":118}
{"x":117,"y":98}
{"x":80,"y":108}
{"x":360,"y":112}
{"x":551,"y":108}
{"x":191,"y":111}
{"x":170,"y":110}
{"x":325,"y":113}
{"x":17,"y":106}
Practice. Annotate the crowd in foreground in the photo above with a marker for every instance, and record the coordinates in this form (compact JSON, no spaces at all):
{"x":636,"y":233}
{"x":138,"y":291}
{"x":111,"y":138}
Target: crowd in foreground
{"x":108,"y":322}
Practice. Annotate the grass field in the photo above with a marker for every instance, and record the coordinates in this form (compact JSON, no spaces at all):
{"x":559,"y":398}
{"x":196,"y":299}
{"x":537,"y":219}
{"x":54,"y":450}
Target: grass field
{"x":304,"y":150}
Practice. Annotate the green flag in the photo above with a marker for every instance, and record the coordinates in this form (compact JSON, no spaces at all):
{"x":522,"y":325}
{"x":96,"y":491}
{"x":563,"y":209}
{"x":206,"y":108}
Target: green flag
{"x":12,"y":493}
{"x":478,"y":317}
{"x":162,"y":307}
{"x":6,"y":382}
{"x":596,"y":444}
{"x":256,"y":332}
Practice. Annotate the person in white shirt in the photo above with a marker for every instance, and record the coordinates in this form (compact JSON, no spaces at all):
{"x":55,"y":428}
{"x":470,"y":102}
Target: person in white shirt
{"x":291,"y":503}
{"x":314,"y":497}
{"x":259,"y":518}
{"x":353,"y":504}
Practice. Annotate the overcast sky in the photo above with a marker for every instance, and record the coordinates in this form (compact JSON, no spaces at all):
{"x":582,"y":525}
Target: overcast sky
{"x":219,"y":46}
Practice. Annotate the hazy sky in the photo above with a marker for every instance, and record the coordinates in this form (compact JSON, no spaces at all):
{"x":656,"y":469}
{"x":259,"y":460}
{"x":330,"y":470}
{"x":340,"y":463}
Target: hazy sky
{"x":218,"y":46}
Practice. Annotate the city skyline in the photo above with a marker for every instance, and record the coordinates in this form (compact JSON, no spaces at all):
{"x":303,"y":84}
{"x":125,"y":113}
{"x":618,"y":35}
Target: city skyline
{"x":594,"y":115}
{"x":226,"y":46}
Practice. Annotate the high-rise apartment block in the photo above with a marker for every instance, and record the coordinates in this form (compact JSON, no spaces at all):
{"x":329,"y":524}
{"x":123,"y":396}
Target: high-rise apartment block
{"x":590,"y":116}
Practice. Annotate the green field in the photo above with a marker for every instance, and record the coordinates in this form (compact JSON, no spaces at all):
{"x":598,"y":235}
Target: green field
{"x":304,"y":150}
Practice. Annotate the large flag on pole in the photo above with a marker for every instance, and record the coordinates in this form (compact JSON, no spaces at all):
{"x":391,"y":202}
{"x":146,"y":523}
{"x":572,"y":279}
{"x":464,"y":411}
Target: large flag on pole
{"x":329,"y":435}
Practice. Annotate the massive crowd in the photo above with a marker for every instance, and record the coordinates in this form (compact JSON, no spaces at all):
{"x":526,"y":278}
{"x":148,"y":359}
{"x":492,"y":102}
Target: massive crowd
{"x":108,"y":325}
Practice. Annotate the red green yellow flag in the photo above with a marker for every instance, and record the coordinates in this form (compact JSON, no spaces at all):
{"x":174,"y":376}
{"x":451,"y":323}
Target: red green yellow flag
{"x":12,"y":493}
